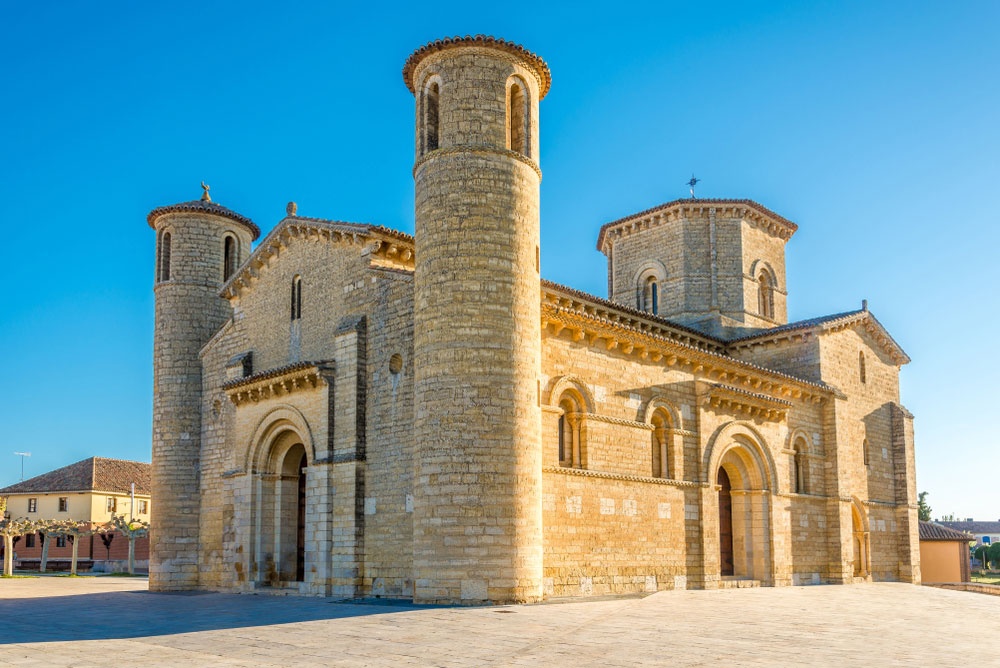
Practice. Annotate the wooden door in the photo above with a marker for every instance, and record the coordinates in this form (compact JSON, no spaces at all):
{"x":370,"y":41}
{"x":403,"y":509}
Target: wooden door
{"x":725,"y":524}
{"x":300,"y":537}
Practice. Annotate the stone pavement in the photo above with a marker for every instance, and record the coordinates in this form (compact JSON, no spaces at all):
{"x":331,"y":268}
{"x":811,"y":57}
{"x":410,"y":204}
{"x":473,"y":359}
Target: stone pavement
{"x":102,"y":622}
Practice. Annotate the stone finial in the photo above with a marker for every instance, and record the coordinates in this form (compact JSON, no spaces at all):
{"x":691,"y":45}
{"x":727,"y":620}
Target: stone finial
{"x":864,"y":304}
{"x":205,"y":197}
{"x":291,"y":208}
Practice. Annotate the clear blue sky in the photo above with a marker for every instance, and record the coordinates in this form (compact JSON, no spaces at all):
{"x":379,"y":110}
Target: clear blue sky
{"x":873,"y":125}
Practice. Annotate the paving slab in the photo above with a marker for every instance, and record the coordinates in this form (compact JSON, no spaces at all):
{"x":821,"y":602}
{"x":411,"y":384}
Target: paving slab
{"x":106,"y":621}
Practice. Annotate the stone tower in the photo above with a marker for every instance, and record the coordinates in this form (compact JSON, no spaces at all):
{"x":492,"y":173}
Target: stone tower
{"x":477,"y":533}
{"x":199,"y":244}
{"x":713,"y":264}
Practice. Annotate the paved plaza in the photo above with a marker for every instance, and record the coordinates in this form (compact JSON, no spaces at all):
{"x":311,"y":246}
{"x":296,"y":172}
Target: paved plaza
{"x":106,"y":621}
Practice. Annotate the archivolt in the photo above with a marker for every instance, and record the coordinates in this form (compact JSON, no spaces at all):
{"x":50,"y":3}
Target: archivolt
{"x":275,"y":424}
{"x":750,"y":448}
{"x":562,"y":383}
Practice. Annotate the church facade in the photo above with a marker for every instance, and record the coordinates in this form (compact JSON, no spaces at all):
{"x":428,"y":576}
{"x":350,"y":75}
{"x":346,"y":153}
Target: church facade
{"x":347,"y":410}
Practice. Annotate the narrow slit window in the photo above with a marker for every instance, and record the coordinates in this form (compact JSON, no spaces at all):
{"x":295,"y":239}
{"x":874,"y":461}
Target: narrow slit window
{"x":228,"y":258}
{"x":165,"y":257}
{"x":296,"y":298}
{"x":518,"y":122}
{"x":432,"y":116}
{"x":862,"y":371}
{"x":765,"y":295}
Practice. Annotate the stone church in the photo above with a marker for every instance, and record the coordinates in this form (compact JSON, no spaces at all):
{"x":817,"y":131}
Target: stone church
{"x":347,"y":410}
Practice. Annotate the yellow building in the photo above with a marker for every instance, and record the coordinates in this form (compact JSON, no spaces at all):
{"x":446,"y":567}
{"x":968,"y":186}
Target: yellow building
{"x":91,"y":490}
{"x":349,"y":410}
{"x":944,"y":553}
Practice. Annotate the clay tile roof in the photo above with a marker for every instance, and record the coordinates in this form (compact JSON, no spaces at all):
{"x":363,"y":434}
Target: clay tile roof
{"x":98,"y":474}
{"x":533,"y":61}
{"x":834,"y":321}
{"x":802,"y":324}
{"x":274,"y":373}
{"x":201,"y":206}
{"x":933,"y":531}
{"x":749,"y":203}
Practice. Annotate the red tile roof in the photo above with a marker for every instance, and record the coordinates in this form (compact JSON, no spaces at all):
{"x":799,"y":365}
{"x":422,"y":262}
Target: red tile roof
{"x":932,"y":531}
{"x":97,"y":474}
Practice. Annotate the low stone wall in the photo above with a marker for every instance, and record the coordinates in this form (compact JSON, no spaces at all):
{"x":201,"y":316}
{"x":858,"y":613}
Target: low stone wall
{"x":976,"y":587}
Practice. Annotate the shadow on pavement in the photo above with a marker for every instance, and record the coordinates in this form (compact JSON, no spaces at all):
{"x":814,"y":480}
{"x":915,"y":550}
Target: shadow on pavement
{"x":138,"y":614}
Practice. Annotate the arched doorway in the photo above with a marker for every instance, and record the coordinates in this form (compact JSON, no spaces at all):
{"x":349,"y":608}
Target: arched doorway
{"x":279,"y":508}
{"x":860,"y":540}
{"x":725,"y":524}
{"x":744,"y":507}
{"x":290,"y":515}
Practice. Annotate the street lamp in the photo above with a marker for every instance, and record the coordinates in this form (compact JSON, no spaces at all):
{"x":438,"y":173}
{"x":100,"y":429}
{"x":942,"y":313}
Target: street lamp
{"x":22,"y":455}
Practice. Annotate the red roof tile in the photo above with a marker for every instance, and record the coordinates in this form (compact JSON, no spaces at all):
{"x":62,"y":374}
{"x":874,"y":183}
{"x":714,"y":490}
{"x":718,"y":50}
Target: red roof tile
{"x":93,"y":474}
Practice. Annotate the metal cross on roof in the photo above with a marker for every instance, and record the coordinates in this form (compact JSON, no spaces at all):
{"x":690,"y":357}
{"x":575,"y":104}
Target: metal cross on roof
{"x":692,"y":183}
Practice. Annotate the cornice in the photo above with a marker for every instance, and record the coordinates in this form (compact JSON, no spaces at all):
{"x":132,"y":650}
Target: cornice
{"x":384,"y":247}
{"x":585,"y":473}
{"x":482,"y":149}
{"x":682,"y":209}
{"x":278,"y":382}
{"x":204,"y":207}
{"x":751,"y":404}
{"x":795,"y":331}
{"x":597,"y":326}
{"x":527,"y":58}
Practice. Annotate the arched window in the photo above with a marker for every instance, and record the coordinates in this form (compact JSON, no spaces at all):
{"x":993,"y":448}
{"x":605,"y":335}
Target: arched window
{"x":650,"y":296}
{"x":518,"y":118}
{"x":164,"y":273}
{"x":662,"y":424}
{"x":569,"y":432}
{"x":229,"y":255}
{"x":296,"y":298}
{"x":862,"y":372}
{"x":432,"y":116}
{"x":765,"y":295}
{"x":800,"y":468}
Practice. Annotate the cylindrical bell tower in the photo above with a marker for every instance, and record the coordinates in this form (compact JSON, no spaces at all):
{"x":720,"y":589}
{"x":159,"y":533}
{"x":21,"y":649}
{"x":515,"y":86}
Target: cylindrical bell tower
{"x":477,"y":337}
{"x":199,"y":244}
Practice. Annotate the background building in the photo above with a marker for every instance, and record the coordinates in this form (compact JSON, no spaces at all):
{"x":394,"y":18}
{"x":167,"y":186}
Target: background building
{"x":91,"y":490}
{"x":944,"y":553}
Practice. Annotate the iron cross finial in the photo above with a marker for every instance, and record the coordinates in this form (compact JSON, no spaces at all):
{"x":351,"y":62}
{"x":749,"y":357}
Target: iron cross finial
{"x":692,"y":183}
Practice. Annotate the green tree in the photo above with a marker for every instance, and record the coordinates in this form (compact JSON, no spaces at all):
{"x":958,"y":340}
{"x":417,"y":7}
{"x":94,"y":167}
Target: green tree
{"x":74,"y":530}
{"x":11,"y":529}
{"x":923,"y":509}
{"x":131,"y":530}
{"x":981,"y":554}
{"x":994,"y":554}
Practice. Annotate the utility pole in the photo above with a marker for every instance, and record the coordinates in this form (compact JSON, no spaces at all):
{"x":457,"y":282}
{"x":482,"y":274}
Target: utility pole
{"x":22,"y":455}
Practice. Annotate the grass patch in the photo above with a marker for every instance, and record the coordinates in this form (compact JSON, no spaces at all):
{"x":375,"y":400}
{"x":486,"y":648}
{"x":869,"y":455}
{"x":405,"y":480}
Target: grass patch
{"x":986,"y":578}
{"x":70,"y":575}
{"x":11,"y":577}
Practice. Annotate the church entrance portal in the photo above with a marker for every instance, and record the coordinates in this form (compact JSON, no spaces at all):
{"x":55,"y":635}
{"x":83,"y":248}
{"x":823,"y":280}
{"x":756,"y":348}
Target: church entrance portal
{"x":742,"y":485}
{"x":725,"y":524}
{"x":280,"y":513}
